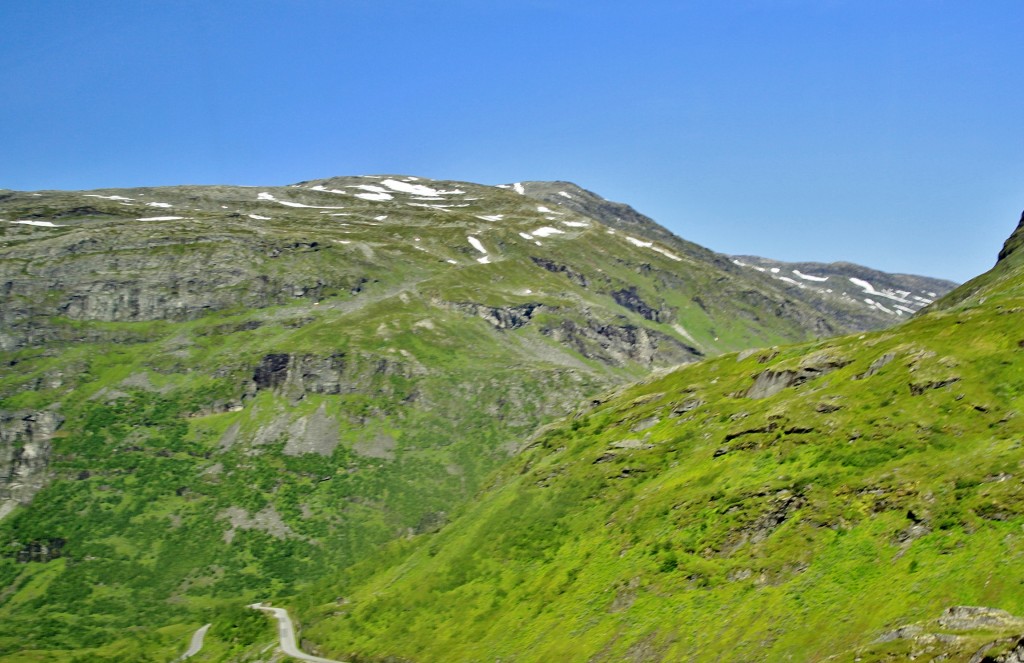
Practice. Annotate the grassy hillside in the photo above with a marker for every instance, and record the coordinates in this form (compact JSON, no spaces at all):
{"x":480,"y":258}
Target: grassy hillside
{"x":791,"y":503}
{"x":217,"y":395}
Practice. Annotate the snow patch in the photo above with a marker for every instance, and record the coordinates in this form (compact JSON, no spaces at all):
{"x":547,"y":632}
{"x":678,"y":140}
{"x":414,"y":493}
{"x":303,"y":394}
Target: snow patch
{"x":484,"y":260}
{"x":377,"y":197}
{"x":576,"y":224}
{"x":41,"y":224}
{"x":808,"y":277}
{"x":259,"y":218}
{"x":774,"y":270}
{"x":666,"y":253}
{"x":870,"y":290}
{"x":564,"y":195}
{"x":158,"y":205}
{"x":636,"y":242}
{"x":476,"y":244}
{"x":685,"y":334}
{"x":491,"y":217}
{"x":96,"y":195}
{"x":547,"y":231}
{"x":526,"y":235}
{"x":518,"y":186}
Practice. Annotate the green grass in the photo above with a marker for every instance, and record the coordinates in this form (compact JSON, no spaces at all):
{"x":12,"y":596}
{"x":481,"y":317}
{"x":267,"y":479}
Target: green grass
{"x":771,"y":529}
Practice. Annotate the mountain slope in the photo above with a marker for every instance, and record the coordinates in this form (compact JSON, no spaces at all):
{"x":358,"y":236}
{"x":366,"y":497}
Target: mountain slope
{"x":853,"y":297}
{"x":213,"y":395}
{"x":793,"y":503}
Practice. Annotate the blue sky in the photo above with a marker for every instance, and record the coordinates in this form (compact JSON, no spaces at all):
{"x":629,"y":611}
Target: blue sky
{"x":885,"y":132}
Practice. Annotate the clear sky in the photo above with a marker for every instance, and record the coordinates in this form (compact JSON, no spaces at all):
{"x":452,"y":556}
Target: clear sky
{"x":884,"y":132}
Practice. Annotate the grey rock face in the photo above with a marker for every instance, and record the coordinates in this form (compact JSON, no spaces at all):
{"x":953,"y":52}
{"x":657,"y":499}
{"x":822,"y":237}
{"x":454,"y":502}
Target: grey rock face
{"x":771,"y":382}
{"x":628,"y":298}
{"x":24,"y":454}
{"x":502,"y":317}
{"x":968,"y":617}
{"x":338,"y":373}
{"x":617,"y":344}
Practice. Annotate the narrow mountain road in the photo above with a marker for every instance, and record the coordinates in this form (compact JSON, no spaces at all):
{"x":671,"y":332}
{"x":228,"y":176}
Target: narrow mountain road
{"x":286,"y":633}
{"x":196,"y":644}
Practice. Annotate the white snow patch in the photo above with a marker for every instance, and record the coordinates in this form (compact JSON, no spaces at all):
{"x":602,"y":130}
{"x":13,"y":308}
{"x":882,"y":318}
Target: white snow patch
{"x":378,"y":197}
{"x":266,"y":196}
{"x":923,"y":300}
{"x":666,"y":253}
{"x":636,"y":242}
{"x":774,"y":270}
{"x":41,"y":224}
{"x":160,"y":218}
{"x":96,"y":195}
{"x":576,"y":224}
{"x":476,"y":244}
{"x":546,"y":210}
{"x":867,"y":287}
{"x":791,"y":281}
{"x":808,"y":277}
{"x":503,"y":186}
{"x":564,"y":195}
{"x":760,"y":269}
{"x":452,"y":262}
{"x":685,"y":334}
{"x":932,"y":294}
{"x":518,"y":186}
{"x":547,"y":231}
{"x":738,"y":262}
{"x":870,"y":290}
{"x":484,"y":260}
{"x":259,"y":218}
{"x":526,"y":235}
{"x":372,"y":188}
{"x":382,"y":217}
{"x":419,"y":189}
{"x":158,"y":205}
{"x":904,"y":309}
{"x":414,"y":189}
{"x":342,"y":241}
{"x":491,"y":217}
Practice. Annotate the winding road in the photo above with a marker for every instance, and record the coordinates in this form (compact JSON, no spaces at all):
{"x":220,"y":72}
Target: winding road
{"x":286,"y":634}
{"x":196,"y":644}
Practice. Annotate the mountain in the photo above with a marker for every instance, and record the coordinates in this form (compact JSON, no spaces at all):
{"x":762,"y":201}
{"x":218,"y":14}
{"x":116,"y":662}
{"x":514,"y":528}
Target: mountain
{"x":216,"y":395}
{"x":852,"y":297}
{"x":859,"y":297}
{"x":849,"y":499}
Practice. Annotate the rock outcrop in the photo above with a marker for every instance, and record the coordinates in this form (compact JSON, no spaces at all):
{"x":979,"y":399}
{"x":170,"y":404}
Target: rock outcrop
{"x":24,"y":454}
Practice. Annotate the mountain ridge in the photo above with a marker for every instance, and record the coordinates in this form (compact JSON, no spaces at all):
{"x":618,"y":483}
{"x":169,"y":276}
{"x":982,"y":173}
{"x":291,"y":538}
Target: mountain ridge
{"x":213,"y":395}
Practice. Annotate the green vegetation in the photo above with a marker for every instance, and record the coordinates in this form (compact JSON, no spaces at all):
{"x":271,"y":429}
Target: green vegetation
{"x":252,"y":404}
{"x":681,"y":519}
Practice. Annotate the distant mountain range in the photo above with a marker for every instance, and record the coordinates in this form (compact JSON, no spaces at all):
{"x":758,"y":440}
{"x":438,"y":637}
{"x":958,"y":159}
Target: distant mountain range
{"x":213,"y":396}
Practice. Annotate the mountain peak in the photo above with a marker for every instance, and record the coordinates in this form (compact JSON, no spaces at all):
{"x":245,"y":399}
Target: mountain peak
{"x":1015,"y":241}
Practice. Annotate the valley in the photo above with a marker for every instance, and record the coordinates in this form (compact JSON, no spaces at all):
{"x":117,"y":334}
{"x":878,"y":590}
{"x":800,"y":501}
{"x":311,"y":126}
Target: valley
{"x":218,"y":395}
